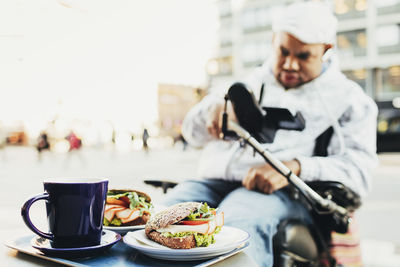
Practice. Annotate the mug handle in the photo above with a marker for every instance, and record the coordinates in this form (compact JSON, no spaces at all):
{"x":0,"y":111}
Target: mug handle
{"x":25,"y":215}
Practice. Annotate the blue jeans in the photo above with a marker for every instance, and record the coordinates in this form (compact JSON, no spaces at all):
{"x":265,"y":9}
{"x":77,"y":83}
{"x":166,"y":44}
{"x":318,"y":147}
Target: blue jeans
{"x":257,"y":213}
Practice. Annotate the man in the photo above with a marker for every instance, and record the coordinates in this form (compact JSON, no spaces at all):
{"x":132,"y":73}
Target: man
{"x":301,"y":75}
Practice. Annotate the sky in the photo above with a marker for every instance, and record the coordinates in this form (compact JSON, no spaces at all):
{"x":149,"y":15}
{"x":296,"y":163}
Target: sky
{"x":99,"y":60}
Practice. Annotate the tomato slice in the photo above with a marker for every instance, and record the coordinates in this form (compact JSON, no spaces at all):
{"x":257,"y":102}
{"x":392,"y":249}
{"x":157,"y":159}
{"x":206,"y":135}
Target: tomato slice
{"x":193,"y":222}
{"x":125,"y":199}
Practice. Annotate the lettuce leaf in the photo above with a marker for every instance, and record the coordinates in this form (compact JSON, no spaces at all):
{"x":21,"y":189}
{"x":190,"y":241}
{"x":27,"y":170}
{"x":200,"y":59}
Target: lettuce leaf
{"x":201,"y":239}
{"x":204,"y":240}
{"x":114,"y":222}
{"x":203,"y":213}
{"x":135,"y":201}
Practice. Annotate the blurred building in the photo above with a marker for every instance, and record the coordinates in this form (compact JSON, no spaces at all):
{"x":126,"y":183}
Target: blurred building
{"x":368,"y":42}
{"x":174,"y":101}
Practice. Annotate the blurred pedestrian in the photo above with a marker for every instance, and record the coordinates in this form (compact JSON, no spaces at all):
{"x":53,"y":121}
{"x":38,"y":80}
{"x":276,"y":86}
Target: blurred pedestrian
{"x":42,"y":144}
{"x":113,"y":141}
{"x":74,"y":141}
{"x":75,"y":144}
{"x":181,"y":138}
{"x":113,"y":137}
{"x":145,"y":137}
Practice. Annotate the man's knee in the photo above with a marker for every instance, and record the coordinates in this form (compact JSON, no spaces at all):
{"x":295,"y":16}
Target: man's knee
{"x":192,"y":190}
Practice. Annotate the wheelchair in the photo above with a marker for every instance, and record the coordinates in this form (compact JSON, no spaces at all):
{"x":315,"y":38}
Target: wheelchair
{"x":330,"y":203}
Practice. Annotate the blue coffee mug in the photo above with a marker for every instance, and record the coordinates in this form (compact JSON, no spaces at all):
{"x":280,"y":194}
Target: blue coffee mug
{"x":75,"y":209}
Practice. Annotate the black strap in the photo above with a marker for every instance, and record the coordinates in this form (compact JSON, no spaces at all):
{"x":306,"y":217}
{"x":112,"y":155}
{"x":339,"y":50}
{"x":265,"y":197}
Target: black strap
{"x":261,"y":94}
{"x":322,"y":143}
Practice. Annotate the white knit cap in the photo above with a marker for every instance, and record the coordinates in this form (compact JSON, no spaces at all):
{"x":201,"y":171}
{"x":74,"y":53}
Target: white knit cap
{"x":310,"y":22}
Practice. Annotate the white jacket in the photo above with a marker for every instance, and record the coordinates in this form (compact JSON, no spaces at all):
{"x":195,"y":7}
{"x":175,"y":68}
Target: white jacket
{"x":327,"y":100}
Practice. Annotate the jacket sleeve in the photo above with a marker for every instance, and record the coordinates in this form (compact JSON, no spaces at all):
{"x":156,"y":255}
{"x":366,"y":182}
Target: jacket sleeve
{"x":194,"y":125}
{"x":353,"y":166}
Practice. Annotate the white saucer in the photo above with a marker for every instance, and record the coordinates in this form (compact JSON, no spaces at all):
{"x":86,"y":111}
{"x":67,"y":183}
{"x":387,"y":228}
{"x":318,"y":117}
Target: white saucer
{"x":108,"y":239}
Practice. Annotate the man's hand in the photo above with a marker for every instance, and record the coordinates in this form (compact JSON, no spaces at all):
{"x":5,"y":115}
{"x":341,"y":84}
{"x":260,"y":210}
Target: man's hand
{"x":214,"y":118}
{"x":266,"y":179}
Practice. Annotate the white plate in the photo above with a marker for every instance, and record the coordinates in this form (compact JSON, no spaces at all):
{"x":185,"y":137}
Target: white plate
{"x":225,"y":241}
{"x":124,"y":229}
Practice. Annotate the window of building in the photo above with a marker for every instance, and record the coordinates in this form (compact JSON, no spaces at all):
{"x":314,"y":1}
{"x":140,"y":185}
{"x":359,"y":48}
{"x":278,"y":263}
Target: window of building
{"x":352,"y":44}
{"x":347,"y":9}
{"x":225,"y":23}
{"x":249,"y":19}
{"x":224,"y":8}
{"x":220,"y":66}
{"x":264,"y":17}
{"x":249,"y":53}
{"x":259,"y":18}
{"x":359,"y":76}
{"x":388,"y":39}
{"x":225,"y":65}
{"x":390,"y":82}
{"x":255,"y":53}
{"x":387,"y":6}
{"x":225,"y":38}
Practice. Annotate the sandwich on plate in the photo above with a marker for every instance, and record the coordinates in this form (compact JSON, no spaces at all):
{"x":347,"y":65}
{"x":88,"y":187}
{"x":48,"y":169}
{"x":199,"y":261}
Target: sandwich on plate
{"x":185,"y":225}
{"x":127,"y":208}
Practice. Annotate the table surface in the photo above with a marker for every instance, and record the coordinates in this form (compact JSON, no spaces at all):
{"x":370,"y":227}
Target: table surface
{"x":129,"y":256}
